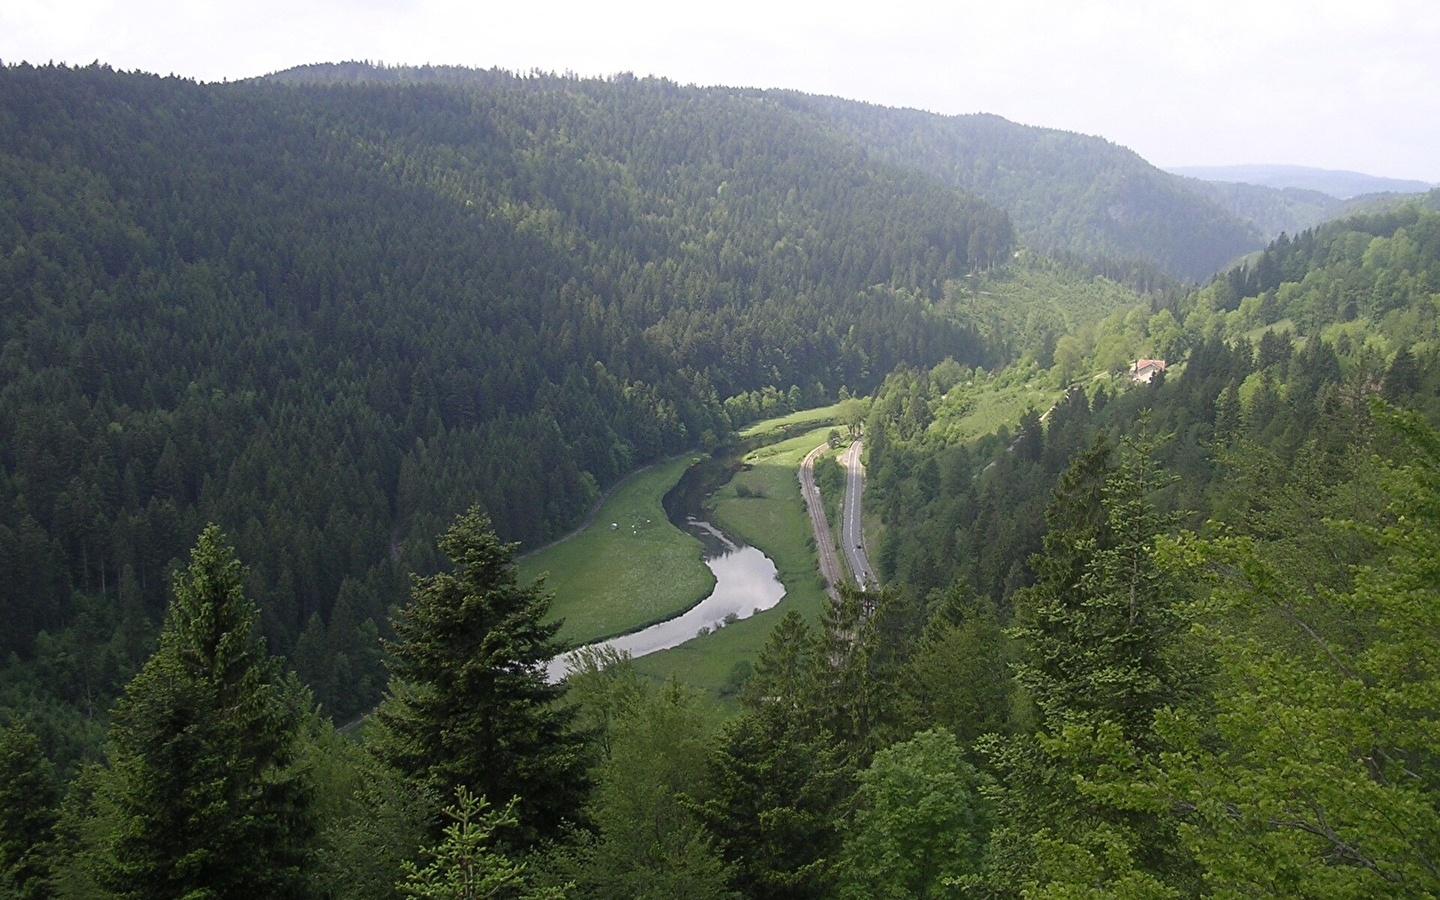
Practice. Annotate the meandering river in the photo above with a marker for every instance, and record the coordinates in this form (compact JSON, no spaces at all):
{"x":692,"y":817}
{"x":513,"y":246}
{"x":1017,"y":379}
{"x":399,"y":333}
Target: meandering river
{"x":746,"y":582}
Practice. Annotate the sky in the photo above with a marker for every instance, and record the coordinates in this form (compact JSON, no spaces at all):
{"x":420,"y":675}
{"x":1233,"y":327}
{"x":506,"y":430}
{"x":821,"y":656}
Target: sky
{"x":1341,"y":85}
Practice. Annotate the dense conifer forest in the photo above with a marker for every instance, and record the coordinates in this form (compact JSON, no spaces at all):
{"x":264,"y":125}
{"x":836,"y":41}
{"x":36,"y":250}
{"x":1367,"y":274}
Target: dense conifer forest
{"x":288,"y":364}
{"x":1067,"y":193}
{"x":330,"y":317}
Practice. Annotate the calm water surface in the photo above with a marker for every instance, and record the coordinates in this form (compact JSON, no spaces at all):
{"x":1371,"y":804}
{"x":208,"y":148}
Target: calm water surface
{"x":746,"y":582}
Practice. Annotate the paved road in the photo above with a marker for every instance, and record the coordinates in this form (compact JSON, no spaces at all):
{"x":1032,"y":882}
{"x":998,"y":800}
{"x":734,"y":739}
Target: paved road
{"x":852,"y":528}
{"x":824,"y":544}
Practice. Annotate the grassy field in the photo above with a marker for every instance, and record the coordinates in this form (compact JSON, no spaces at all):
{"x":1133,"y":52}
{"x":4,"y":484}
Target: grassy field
{"x":820,"y":415}
{"x":772,"y":517}
{"x":609,"y":582}
{"x":969,"y":414}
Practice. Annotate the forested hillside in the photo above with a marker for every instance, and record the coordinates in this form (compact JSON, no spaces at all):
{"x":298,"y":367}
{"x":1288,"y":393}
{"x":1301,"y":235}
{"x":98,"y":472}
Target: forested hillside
{"x":1214,"y":677}
{"x":1186,"y":626}
{"x":1067,"y":192}
{"x":328,"y":317}
{"x":287,"y":364}
{"x":1271,"y":210}
{"x":1281,"y":352}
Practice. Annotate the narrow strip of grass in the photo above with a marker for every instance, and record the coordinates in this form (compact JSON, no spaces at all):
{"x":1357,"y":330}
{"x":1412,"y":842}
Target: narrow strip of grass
{"x":610,"y":581}
{"x":762,"y":506}
{"x":820,"y":415}
{"x":830,"y":481}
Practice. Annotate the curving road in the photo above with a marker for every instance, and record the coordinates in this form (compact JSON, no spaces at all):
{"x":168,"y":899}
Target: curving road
{"x":824,"y":544}
{"x":852,"y":527}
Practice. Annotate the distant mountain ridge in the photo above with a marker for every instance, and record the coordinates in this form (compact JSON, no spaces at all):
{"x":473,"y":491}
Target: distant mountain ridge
{"x":1069,"y":193}
{"x":1271,"y":210}
{"x":1340,"y":184}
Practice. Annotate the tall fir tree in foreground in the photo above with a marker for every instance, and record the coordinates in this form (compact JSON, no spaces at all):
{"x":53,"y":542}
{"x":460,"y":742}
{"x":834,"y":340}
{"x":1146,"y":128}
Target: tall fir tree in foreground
{"x":469,"y":704}
{"x":202,"y":797}
{"x":776,"y":778}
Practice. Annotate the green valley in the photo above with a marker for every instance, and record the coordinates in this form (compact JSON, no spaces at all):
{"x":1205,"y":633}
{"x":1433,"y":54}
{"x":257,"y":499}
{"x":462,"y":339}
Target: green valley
{"x":367,"y":394}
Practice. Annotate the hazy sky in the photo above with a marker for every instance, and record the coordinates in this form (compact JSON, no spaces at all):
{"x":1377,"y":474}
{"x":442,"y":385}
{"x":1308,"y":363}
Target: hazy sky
{"x":1343,"y":85}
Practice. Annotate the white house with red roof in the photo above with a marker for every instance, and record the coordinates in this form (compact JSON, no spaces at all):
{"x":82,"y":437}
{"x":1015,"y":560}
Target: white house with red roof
{"x":1145,"y":369}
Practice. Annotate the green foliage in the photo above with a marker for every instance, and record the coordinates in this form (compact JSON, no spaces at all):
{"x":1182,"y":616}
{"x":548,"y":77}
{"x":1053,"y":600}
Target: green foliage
{"x":371,"y":819}
{"x":463,"y":866}
{"x":202,"y":796}
{"x":1097,"y":624}
{"x":1381,"y":269}
{"x":785,"y":670}
{"x":920,"y":823}
{"x":1320,"y":778}
{"x":332,"y":316}
{"x":771,"y":798}
{"x":958,"y":677}
{"x":646,"y":843}
{"x":865,"y":640}
{"x":1065,"y":191}
{"x":468,"y":703}
{"x":830,"y":479}
{"x":28,"y":807}
{"x":1099,"y":633}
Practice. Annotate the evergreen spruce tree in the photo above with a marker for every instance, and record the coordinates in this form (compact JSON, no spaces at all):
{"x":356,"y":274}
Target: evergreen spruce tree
{"x":465,"y":866}
{"x":1098,"y":629}
{"x":202,"y":798}
{"x":774,"y":792}
{"x":1097,"y":623}
{"x":28,"y":800}
{"x":469,"y":704}
{"x":777,"y":778}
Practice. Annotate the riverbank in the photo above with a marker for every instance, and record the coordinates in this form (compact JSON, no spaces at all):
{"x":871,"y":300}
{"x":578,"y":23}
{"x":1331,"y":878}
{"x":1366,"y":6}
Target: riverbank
{"x":611,"y":581}
{"x":762,"y":506}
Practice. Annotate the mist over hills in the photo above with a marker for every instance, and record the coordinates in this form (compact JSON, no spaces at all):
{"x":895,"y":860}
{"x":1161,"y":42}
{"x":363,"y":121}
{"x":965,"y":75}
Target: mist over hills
{"x":1340,"y":184}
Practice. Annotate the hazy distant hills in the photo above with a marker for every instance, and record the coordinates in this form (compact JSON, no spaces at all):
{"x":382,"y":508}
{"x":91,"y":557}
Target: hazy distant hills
{"x":1065,"y":191}
{"x":1274,"y":199}
{"x":1339,"y":184}
{"x":1271,"y":210}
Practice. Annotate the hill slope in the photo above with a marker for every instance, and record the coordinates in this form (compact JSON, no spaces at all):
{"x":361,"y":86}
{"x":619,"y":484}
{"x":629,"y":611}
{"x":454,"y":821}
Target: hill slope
{"x":1065,"y":191}
{"x":330,"y":316}
{"x":1270,"y":210}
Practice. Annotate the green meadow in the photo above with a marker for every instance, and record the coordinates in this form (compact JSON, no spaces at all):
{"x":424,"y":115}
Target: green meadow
{"x":762,"y":506}
{"x":609,"y":581}
{"x":820,"y":415}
